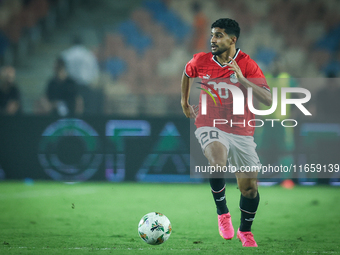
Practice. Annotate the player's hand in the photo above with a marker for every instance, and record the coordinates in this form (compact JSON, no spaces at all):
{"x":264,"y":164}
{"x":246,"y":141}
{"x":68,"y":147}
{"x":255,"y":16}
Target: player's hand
{"x":190,"y":111}
{"x":234,"y":67}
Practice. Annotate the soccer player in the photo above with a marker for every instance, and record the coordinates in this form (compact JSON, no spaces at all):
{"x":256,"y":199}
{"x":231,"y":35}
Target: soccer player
{"x":226,"y":64}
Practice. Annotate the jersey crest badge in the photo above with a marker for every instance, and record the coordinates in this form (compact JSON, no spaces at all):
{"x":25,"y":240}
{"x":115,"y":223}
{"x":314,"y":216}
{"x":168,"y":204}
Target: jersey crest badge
{"x":233,"y":78}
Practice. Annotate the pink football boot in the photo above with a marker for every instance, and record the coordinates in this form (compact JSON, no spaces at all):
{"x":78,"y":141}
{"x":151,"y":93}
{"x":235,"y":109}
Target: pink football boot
{"x":225,"y":226}
{"x":246,"y":238}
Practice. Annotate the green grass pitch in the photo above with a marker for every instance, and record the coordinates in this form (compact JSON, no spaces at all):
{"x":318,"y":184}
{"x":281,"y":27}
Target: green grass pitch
{"x":102,"y":218}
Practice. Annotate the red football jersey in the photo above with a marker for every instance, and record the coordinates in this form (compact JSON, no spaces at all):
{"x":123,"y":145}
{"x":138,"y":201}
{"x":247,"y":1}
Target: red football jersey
{"x":206,"y":67}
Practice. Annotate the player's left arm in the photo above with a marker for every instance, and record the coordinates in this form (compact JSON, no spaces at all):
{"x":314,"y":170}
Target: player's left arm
{"x":263,"y":95}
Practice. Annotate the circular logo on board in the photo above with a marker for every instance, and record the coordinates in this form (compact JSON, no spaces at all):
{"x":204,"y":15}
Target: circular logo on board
{"x":69,"y":150}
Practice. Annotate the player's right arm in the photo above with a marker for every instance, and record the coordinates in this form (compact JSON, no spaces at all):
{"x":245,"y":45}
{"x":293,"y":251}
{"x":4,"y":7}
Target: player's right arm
{"x":190,"y":72}
{"x":190,"y":111}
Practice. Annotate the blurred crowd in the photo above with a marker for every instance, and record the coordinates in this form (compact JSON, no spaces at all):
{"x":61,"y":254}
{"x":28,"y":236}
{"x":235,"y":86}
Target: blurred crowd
{"x":137,"y":66}
{"x":10,"y":98}
{"x":70,"y":88}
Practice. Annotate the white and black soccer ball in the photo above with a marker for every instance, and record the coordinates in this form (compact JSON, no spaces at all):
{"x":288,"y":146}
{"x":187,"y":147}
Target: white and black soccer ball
{"x":154,"y":228}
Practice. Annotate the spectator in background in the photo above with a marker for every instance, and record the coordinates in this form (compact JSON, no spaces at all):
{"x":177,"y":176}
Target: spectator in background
{"x":327,"y":100}
{"x":81,"y":63}
{"x":62,"y":93}
{"x":82,"y":66}
{"x":10,"y":103}
{"x":276,"y":143}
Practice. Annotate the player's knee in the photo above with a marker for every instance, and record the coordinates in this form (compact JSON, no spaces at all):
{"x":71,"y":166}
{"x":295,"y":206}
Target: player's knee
{"x":217,"y":162}
{"x":249,"y":192}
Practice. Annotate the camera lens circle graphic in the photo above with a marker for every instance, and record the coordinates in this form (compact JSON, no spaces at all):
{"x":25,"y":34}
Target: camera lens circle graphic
{"x":69,"y":150}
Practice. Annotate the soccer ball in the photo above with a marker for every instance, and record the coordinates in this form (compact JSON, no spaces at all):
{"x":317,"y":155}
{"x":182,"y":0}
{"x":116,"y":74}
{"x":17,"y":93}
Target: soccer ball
{"x":154,"y":228}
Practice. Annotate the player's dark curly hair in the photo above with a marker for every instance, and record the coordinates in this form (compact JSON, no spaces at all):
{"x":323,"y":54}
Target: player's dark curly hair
{"x":230,"y":26}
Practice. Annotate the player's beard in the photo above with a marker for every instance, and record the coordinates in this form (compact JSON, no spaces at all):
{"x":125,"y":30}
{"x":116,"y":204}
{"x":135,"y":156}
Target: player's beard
{"x":219,"y":50}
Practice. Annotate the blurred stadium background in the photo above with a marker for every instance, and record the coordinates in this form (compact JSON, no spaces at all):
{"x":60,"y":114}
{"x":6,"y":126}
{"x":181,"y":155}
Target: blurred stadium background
{"x":141,"y":47}
{"x":132,"y":128}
